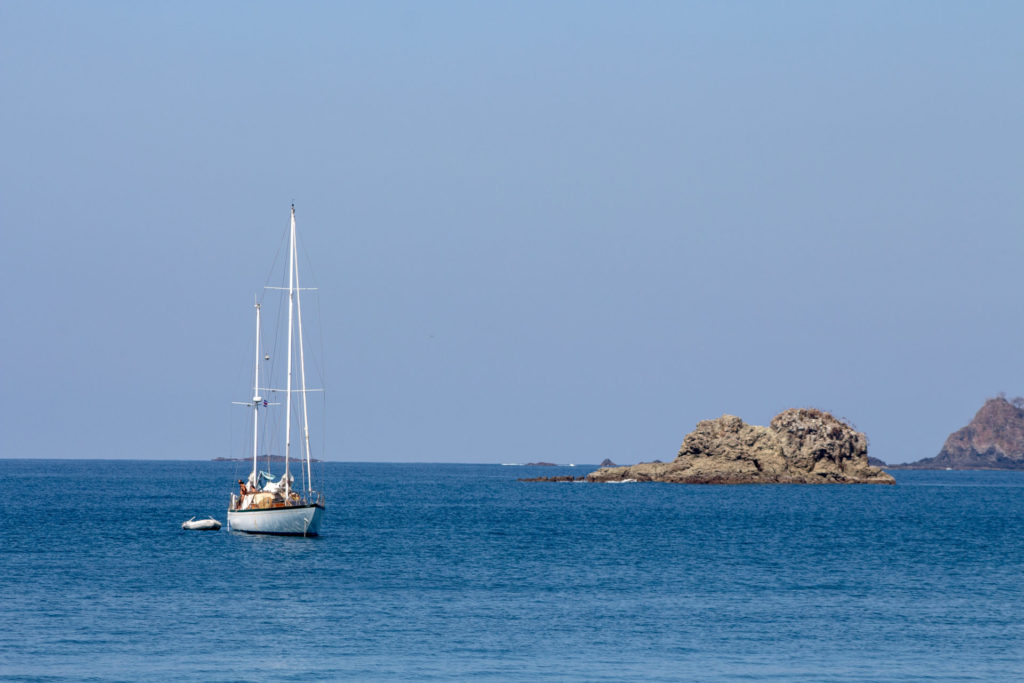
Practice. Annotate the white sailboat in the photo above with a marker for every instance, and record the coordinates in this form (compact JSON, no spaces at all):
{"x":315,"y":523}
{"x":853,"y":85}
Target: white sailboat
{"x":262,"y":505}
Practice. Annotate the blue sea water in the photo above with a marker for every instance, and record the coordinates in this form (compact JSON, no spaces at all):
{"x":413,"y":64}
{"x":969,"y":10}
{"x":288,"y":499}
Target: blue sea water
{"x":438,"y":572}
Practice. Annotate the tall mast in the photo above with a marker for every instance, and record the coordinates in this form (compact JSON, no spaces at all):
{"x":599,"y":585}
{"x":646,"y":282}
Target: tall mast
{"x":288,"y":388}
{"x":302,"y":375}
{"x":256,"y":399}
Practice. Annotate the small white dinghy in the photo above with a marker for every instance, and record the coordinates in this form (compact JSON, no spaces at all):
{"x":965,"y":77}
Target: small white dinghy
{"x":194,"y":524}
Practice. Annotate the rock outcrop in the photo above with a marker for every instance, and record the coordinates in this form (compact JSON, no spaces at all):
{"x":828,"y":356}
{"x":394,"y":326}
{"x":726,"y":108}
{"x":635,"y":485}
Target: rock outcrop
{"x":800,"y":446}
{"x":993,"y":440}
{"x":607,"y":463}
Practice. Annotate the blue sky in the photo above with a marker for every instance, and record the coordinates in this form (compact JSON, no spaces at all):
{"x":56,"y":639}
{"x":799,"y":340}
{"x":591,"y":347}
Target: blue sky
{"x":541,"y":231}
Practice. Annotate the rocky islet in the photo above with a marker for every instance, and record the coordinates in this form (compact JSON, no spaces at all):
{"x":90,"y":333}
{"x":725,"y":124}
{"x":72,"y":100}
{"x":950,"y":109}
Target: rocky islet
{"x":799,"y":446}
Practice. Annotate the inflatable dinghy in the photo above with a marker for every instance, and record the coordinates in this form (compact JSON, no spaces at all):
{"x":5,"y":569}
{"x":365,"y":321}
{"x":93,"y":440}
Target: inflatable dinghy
{"x":201,"y":524}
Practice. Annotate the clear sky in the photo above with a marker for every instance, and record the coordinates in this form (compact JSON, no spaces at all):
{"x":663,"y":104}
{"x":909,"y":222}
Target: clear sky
{"x":561,"y":231}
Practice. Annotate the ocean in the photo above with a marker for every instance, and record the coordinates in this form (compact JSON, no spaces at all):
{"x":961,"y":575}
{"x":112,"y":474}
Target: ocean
{"x":456,"y":572}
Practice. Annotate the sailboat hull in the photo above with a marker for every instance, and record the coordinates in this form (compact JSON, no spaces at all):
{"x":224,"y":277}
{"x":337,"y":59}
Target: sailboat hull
{"x":290,"y":521}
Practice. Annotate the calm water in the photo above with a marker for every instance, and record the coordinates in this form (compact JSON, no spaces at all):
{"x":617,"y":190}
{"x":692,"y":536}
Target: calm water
{"x":455,"y":571}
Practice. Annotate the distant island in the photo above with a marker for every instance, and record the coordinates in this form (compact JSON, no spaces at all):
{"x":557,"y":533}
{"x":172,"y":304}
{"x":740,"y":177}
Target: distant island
{"x":265,"y":458}
{"x":993,"y":440}
{"x":800,"y":446}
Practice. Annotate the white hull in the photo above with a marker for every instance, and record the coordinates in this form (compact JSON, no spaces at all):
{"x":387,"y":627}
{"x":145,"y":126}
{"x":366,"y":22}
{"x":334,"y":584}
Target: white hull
{"x":293,"y":521}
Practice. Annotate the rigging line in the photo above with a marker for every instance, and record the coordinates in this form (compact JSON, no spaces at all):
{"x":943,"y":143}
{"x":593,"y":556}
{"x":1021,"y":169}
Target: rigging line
{"x":307,"y":267}
{"x":278,"y":328}
{"x":322,"y":365}
{"x":277,"y":255}
{"x":231,"y":433}
{"x":309,"y":274}
{"x":304,"y":447}
{"x":323,"y":445}
{"x":323,"y":397}
{"x":320,"y":358}
{"x":276,"y":266}
{"x":320,"y":361}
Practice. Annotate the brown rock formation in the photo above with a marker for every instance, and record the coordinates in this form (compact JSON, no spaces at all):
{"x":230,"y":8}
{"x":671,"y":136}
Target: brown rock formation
{"x":994,"y":440}
{"x":801,"y":446}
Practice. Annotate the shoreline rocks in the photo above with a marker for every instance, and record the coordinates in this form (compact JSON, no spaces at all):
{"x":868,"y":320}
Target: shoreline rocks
{"x":800,"y":446}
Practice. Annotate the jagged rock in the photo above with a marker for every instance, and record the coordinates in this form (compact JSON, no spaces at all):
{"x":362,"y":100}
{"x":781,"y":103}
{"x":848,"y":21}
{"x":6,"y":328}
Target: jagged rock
{"x":994,"y":440}
{"x":800,"y":446}
{"x":607,"y":463}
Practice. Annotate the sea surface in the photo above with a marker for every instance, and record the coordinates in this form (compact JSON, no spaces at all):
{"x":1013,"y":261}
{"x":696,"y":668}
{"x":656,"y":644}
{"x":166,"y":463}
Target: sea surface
{"x":455,"y":572}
